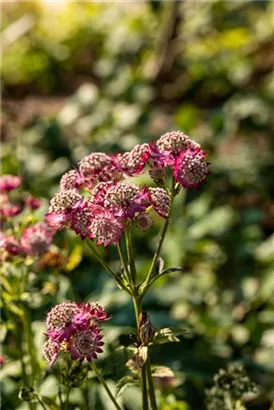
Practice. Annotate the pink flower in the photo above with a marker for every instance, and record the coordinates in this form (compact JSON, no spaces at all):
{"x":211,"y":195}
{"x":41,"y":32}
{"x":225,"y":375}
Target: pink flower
{"x":106,"y":228}
{"x":32,"y":202}
{"x":9,"y":182}
{"x":80,"y":218}
{"x":12,"y":245}
{"x":125,"y":200}
{"x":73,"y":328}
{"x":51,"y":350}
{"x":71,"y":180}
{"x":97,"y":167}
{"x":37,"y":238}
{"x":160,"y":200}
{"x":61,"y":208}
{"x":8,"y":208}
{"x":133,"y":162}
{"x":190,"y":168}
{"x":59,"y":321}
{"x":86,"y":344}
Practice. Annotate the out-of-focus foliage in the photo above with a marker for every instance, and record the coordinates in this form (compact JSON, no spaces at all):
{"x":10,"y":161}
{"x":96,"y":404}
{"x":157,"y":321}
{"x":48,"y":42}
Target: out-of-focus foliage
{"x":104,"y":76}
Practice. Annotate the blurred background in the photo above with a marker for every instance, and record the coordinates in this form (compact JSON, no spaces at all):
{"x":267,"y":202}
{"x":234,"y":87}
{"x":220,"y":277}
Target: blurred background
{"x":103,"y":76}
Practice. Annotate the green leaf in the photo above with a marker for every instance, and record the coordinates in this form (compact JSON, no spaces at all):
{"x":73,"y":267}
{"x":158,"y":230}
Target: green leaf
{"x":168,"y":335}
{"x":50,"y":402}
{"x":125,"y":382}
{"x":115,"y":363}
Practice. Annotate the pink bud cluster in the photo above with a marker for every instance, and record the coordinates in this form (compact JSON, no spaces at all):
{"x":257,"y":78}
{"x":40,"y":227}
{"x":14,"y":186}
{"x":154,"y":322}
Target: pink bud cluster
{"x":97,"y":202}
{"x":74,"y":328}
{"x":33,"y":240}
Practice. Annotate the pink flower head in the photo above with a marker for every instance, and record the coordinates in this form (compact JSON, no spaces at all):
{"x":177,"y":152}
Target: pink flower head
{"x":160,"y":200}
{"x":175,"y":142}
{"x":125,"y":200}
{"x":80,"y":218}
{"x":106,"y":228}
{"x":9,"y":182}
{"x":133,"y":162}
{"x":86,"y":344}
{"x":71,"y":180}
{"x":100,"y":190}
{"x":37,"y":238}
{"x":61,"y":208}
{"x":97,"y":167}
{"x":51,"y":350}
{"x":59,"y":321}
{"x":32,"y":202}
{"x":8,"y":208}
{"x":143,"y":221}
{"x":191,"y":168}
{"x":12,"y":245}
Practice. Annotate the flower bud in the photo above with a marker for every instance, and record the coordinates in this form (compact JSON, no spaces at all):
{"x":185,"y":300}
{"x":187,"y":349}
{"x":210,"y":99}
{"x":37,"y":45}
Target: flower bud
{"x":147,"y":330}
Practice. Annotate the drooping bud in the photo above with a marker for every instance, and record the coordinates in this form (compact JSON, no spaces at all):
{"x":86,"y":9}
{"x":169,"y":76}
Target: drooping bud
{"x":146,"y":329}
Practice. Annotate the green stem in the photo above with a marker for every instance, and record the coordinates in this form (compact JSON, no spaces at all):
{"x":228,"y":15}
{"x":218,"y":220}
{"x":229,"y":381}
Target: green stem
{"x":40,"y":401}
{"x":67,"y":398}
{"x":107,"y":267}
{"x":124,"y":263}
{"x":155,"y":257}
{"x":137,"y":303}
{"x":102,"y":381}
{"x":151,"y":390}
{"x":131,"y":257}
{"x":30,"y":343}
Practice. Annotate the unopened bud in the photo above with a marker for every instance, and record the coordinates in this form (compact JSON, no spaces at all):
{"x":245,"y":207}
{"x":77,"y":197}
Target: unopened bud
{"x":147,"y":330}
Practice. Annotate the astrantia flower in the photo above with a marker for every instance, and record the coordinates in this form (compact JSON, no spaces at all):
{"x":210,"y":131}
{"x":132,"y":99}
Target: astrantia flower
{"x":9,"y":182}
{"x":51,"y":350}
{"x":106,"y":228}
{"x":97,"y":167}
{"x":71,"y":180}
{"x":8,"y":209}
{"x":12,"y":245}
{"x":59,"y":321}
{"x":61,"y":207}
{"x":32,"y":202}
{"x":99,"y":192}
{"x":133,"y":162}
{"x":175,"y":142}
{"x":143,"y":221}
{"x":37,"y":238}
{"x":191,"y":168}
{"x":80,"y":218}
{"x":160,"y":200}
{"x":86,"y":344}
{"x":125,"y":200}
{"x":74,"y":328}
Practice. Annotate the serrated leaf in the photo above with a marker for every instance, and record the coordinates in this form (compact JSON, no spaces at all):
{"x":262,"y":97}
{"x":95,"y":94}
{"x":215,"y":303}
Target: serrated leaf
{"x":168,"y":335}
{"x":74,"y":258}
{"x":125,"y":382}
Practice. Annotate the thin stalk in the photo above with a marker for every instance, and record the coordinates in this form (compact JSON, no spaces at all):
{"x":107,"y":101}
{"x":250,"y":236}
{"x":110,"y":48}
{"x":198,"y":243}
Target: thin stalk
{"x":151,"y":390}
{"x":144,"y":389}
{"x":67,"y":398}
{"x":137,"y":303}
{"x":107,"y":267}
{"x":40,"y":401}
{"x":102,"y":381}
{"x":131,"y":257}
{"x":155,"y":257}
{"x":124,"y":263}
{"x":29,"y":337}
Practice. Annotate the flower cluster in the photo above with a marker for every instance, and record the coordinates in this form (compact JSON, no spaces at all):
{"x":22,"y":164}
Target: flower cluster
{"x":17,"y":238}
{"x":74,"y":328}
{"x":97,"y":201}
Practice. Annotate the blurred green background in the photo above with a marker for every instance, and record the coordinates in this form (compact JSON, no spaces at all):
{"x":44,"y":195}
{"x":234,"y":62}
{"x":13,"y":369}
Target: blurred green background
{"x":102,"y":76}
